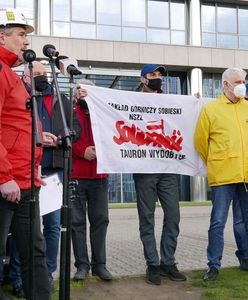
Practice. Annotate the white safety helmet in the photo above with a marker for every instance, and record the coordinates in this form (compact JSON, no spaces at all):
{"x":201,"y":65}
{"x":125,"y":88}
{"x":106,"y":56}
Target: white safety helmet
{"x":11,"y":16}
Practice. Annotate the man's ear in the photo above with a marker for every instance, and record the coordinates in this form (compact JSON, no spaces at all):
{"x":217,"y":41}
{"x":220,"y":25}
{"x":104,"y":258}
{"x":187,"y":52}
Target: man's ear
{"x":2,"y":38}
{"x":225,"y":84}
{"x":144,"y":80}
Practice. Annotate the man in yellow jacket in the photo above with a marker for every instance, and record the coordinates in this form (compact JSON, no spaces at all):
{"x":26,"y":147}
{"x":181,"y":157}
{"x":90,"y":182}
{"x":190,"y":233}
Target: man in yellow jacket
{"x":221,"y":139}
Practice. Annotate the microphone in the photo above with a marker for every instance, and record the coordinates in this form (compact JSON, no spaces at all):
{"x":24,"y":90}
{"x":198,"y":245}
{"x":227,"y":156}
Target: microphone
{"x":29,"y":55}
{"x":50,"y":50}
{"x":67,"y":66}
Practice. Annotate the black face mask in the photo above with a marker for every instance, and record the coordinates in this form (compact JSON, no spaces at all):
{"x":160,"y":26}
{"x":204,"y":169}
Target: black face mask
{"x":82,"y":103}
{"x":41,"y":83}
{"x":155,"y":84}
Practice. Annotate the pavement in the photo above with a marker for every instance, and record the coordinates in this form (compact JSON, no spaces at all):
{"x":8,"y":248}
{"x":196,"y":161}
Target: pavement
{"x":124,"y":249}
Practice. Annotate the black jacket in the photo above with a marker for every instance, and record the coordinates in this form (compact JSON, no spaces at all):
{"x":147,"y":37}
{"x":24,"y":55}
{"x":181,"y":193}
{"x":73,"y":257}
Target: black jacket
{"x":53,"y":157}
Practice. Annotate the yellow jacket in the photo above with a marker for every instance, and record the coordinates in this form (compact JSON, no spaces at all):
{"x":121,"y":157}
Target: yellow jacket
{"x":221,"y":139}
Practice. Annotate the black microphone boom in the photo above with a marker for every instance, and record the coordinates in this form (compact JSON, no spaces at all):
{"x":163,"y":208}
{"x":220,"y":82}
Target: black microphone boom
{"x":29,"y":55}
{"x":69,"y":68}
{"x":50,"y":50}
{"x":58,"y":58}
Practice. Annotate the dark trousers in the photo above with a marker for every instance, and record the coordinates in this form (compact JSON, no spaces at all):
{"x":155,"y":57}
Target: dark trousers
{"x":18,"y":217}
{"x":150,"y":188}
{"x":51,"y":233}
{"x":91,"y":198}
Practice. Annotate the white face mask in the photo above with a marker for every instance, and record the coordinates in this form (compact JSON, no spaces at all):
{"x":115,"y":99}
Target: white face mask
{"x":240,"y":90}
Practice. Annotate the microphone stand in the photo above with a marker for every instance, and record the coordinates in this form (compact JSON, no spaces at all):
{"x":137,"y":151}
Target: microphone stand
{"x":31,"y":104}
{"x":72,"y":184}
{"x":65,"y":262}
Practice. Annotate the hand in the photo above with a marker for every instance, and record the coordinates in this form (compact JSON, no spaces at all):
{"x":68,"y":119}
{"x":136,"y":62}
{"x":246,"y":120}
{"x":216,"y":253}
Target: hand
{"x":197,"y":95}
{"x":10,"y":190}
{"x":49,"y":139}
{"x":42,"y":181}
{"x":90,"y":153}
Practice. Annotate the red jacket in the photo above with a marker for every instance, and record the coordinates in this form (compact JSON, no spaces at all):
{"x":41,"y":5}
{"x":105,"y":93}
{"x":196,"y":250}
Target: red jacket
{"x":15,"y":126}
{"x":82,"y":168}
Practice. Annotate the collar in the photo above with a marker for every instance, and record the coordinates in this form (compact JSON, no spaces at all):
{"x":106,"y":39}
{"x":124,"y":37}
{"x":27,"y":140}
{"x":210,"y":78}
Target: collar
{"x":225,"y":100}
{"x":48,"y":91}
{"x":7,"y":57}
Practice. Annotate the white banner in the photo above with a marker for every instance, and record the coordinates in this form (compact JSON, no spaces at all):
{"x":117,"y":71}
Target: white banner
{"x":144,"y":132}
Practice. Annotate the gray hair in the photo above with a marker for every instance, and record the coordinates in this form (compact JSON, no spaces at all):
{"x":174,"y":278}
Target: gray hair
{"x":82,"y":81}
{"x":7,"y":30}
{"x":228,"y":72}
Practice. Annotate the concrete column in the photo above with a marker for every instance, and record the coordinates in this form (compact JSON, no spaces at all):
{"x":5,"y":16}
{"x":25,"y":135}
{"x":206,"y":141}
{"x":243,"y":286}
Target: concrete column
{"x":198,"y":188}
{"x":198,"y":184}
{"x":194,"y":23}
{"x":44,"y":18}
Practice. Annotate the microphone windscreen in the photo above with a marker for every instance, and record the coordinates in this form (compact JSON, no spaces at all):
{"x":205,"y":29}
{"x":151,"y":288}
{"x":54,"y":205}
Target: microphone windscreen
{"x":29,"y":55}
{"x":47,"y":49}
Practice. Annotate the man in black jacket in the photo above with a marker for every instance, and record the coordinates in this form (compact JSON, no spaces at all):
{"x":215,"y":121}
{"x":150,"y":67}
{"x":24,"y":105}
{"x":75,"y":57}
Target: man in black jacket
{"x":149,"y":188}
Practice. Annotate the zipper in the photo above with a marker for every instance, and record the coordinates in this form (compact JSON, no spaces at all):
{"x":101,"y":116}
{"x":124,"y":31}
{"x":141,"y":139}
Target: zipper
{"x":89,"y":138}
{"x":245,"y":186}
{"x":242,"y":145}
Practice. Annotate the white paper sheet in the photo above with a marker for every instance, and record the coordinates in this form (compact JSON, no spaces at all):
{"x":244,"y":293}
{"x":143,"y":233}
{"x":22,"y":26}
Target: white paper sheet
{"x":51,"y":195}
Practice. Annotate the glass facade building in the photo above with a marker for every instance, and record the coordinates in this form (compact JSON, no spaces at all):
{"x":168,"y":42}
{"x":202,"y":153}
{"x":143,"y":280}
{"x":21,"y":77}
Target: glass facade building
{"x":112,"y":39}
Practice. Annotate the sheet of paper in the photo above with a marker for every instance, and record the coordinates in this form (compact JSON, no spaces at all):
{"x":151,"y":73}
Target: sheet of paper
{"x":51,"y":195}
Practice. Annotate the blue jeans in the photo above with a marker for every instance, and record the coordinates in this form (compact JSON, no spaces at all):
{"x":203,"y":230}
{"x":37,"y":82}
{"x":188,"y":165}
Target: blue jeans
{"x":51,"y":232}
{"x":221,"y":200}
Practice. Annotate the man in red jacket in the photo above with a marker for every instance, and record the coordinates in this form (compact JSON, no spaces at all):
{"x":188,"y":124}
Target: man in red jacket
{"x":15,"y":157}
{"x":91,"y":196}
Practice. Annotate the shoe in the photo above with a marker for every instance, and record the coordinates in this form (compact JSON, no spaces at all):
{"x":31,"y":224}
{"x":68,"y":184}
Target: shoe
{"x":81,"y":274}
{"x":244,"y":264}
{"x":211,"y":275}
{"x":103,"y":273}
{"x":18,"y":292}
{"x":2,"y":295}
{"x":152,"y":275}
{"x":172,"y":272}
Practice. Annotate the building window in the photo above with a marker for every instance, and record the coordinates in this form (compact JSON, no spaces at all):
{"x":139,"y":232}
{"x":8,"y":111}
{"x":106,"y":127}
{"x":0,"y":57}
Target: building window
{"x":105,"y":32}
{"x":83,"y":10}
{"x":166,"y":22}
{"x":109,"y":12}
{"x":84,"y":31}
{"x":61,"y":10}
{"x":224,"y":26}
{"x":134,"y":13}
{"x":132,"y":34}
{"x":7,"y":3}
{"x":212,"y":85}
{"x":158,"y":14}
{"x":149,"y":21}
